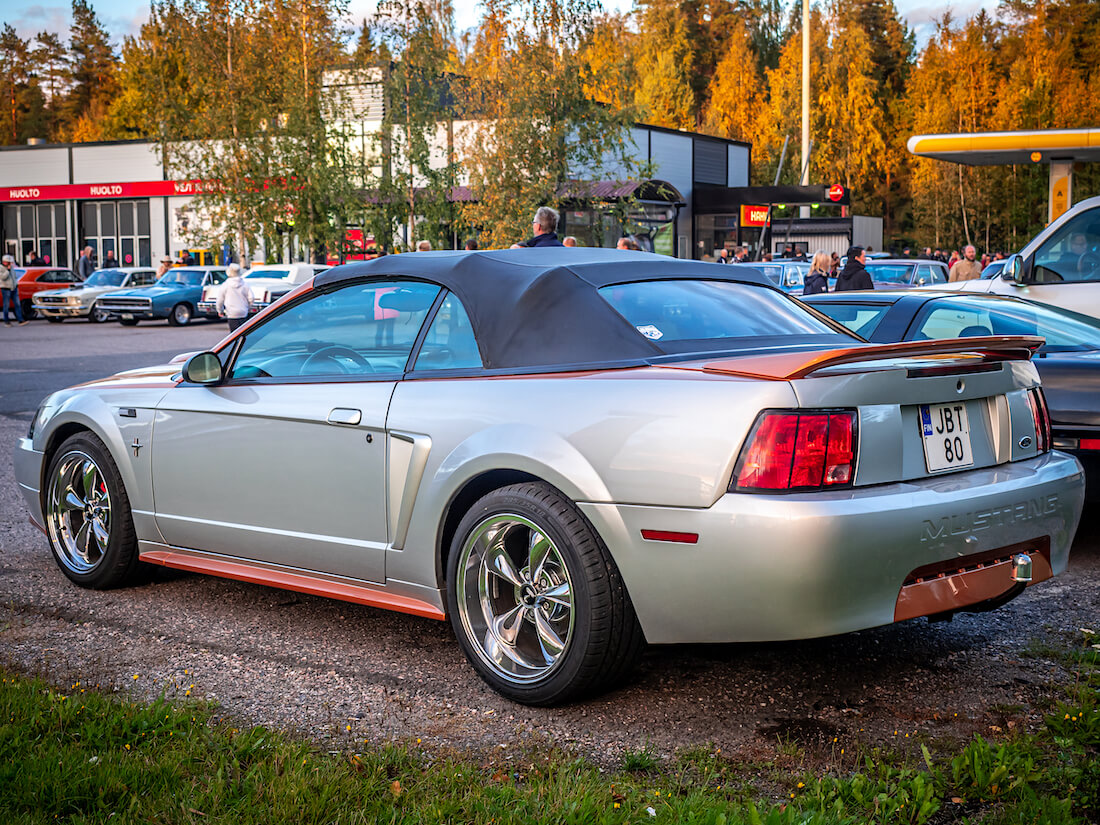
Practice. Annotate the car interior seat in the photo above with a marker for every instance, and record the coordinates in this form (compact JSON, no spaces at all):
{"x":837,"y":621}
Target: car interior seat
{"x":975,"y":331}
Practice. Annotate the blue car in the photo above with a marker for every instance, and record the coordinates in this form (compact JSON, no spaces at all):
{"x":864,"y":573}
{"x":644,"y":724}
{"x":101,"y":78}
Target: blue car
{"x":175,"y":297}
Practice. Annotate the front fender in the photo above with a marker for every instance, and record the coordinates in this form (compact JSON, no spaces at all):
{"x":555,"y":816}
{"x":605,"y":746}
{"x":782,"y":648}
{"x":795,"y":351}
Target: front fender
{"x":128,"y":439}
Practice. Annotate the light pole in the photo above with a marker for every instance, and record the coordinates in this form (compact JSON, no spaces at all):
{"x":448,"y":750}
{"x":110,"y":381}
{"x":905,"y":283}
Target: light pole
{"x":804,"y":212}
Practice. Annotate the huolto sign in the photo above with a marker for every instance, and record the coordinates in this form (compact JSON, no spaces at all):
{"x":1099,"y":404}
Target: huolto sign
{"x":754,"y":215}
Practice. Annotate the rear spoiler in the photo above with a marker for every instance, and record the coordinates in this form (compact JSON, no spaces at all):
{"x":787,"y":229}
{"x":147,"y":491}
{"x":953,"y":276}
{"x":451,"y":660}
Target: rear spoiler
{"x":791,"y":365}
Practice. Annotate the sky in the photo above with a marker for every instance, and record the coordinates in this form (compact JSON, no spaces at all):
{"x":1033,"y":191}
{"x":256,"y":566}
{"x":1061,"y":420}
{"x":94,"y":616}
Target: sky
{"x":124,"y":17}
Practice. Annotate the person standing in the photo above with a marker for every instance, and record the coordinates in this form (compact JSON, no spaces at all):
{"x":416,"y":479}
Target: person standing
{"x":818,"y":279}
{"x":164,"y":265}
{"x":854,"y":275}
{"x":109,"y":260}
{"x":34,"y":259}
{"x":965,"y":268}
{"x":8,"y":291}
{"x":234,"y":298}
{"x":545,"y":224}
{"x":85,"y":266}
{"x":569,"y":241}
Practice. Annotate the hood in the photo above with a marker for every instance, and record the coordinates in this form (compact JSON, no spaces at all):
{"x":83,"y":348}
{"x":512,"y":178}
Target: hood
{"x":69,"y":290}
{"x":149,"y":291}
{"x":162,"y":375}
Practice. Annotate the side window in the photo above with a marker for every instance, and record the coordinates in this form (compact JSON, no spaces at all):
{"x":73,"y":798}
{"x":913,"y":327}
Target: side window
{"x":362,"y":329}
{"x":449,"y":343}
{"x":143,"y":278}
{"x":216,"y":277}
{"x":1072,"y":253}
{"x":51,"y":277}
{"x":68,"y":277}
{"x":951,"y":322}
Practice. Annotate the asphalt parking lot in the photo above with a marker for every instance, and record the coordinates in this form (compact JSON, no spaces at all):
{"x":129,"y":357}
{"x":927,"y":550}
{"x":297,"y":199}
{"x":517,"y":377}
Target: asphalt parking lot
{"x":343,"y":672}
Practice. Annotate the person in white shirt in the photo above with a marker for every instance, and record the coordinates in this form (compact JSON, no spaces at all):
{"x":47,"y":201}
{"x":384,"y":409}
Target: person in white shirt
{"x":234,"y":298}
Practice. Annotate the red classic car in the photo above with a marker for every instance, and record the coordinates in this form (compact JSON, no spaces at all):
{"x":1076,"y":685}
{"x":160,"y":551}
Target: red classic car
{"x":34,"y":279}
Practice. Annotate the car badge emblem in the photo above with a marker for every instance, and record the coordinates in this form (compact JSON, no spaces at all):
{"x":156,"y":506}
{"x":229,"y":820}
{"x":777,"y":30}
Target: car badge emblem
{"x":1025,"y":442}
{"x":651,"y":332}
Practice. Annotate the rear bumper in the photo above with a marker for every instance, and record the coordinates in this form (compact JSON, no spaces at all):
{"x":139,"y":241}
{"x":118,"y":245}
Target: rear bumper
{"x":767,"y":568}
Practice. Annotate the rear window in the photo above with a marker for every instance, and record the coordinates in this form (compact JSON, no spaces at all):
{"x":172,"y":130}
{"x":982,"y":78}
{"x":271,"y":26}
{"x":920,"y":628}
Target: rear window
{"x":686,"y":310}
{"x":268,"y":273}
{"x":890,"y":273}
{"x":969,"y":317}
{"x":862,"y":319}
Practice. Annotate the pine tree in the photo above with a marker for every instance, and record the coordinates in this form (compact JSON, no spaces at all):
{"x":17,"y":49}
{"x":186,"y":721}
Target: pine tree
{"x":94,"y":69}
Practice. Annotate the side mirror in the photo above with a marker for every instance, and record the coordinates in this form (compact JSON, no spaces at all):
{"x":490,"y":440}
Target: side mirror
{"x":1013,"y":270}
{"x":204,"y":368}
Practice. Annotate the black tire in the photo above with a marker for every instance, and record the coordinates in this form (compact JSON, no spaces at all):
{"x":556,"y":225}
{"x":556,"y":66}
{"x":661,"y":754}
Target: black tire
{"x":128,"y":322}
{"x":54,"y":319}
{"x":181,"y":315}
{"x":551,"y":652}
{"x":97,"y":316}
{"x":29,"y":312}
{"x":88,"y":518}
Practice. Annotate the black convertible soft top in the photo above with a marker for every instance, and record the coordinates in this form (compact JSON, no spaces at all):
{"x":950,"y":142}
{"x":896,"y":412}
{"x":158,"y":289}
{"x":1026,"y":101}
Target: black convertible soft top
{"x":539,"y":308}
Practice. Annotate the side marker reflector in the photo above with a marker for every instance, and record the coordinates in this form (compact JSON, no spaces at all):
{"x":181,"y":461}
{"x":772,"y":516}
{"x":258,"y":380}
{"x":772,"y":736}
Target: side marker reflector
{"x":669,"y":535}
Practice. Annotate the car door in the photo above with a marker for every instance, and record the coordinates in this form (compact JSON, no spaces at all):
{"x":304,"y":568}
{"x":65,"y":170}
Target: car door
{"x":1065,"y":268}
{"x":284,"y":463}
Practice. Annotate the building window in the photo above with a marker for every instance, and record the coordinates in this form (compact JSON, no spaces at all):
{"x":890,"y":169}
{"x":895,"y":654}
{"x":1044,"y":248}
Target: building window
{"x":38,"y":227}
{"x":118,"y":227}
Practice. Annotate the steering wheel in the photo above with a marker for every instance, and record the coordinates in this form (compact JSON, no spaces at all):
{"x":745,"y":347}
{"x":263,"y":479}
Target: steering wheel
{"x":334,"y":352}
{"x":1088,"y":262}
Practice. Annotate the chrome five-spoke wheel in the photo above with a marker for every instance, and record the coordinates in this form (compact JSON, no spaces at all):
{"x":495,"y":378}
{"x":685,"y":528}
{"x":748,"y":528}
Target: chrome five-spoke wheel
{"x":536,"y":600}
{"x":87,"y":511}
{"x":78,"y":511}
{"x":516,"y":598}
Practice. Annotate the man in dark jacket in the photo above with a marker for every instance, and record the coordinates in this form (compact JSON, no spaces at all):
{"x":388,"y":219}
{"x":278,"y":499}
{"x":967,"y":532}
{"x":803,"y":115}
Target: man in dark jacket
{"x":854,"y":275}
{"x":545,"y":225}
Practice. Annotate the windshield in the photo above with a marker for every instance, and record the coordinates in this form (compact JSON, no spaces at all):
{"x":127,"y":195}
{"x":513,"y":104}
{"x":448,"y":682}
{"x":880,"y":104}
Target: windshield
{"x":688,"y":310}
{"x":106,"y":277}
{"x":181,"y":277}
{"x":965,"y":317}
{"x":890,"y":273}
{"x":268,"y":273}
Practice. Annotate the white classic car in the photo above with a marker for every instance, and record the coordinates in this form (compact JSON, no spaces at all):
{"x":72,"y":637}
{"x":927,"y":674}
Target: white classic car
{"x":268,"y":282}
{"x":79,"y":300}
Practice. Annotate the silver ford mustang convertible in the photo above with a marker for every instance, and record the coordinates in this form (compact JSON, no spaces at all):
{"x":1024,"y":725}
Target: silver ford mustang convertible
{"x":567,"y":453}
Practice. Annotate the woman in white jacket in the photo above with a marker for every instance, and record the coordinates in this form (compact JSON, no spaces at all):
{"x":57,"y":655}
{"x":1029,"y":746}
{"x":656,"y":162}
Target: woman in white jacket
{"x":234,"y":298}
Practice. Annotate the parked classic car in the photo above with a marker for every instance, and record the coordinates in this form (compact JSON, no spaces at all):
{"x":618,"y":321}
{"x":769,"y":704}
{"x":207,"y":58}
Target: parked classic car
{"x":79,"y":300}
{"x":175,"y":297}
{"x":34,"y":279}
{"x":568,"y":453}
{"x":1068,"y":362}
{"x":268,"y":282}
{"x":790,"y":276}
{"x":1059,"y":266}
{"x":901,"y":273}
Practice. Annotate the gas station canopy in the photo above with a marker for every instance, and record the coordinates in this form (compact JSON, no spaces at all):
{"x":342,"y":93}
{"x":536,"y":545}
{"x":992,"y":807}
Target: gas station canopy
{"x":997,"y":148}
{"x":1061,"y":148}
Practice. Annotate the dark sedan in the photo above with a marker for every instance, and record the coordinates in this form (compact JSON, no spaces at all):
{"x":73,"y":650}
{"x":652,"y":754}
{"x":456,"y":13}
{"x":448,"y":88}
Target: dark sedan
{"x":1069,"y":362}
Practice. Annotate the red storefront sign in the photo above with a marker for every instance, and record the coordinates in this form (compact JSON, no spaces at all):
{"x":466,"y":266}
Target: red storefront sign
{"x":836,"y":192}
{"x":754,"y":215}
{"x":91,"y":191}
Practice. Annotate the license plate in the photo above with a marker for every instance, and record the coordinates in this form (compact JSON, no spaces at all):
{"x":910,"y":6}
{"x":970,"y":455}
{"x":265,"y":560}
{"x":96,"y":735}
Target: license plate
{"x":945,"y":430}
{"x":127,"y":316}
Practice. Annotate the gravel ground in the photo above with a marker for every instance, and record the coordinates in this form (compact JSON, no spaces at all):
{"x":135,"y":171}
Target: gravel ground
{"x":341,"y":673}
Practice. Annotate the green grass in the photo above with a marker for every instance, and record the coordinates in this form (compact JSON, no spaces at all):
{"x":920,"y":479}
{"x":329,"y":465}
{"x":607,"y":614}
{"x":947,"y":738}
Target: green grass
{"x":79,"y":756}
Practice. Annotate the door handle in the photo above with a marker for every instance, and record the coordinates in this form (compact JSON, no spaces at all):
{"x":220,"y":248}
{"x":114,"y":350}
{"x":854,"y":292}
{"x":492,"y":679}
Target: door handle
{"x":343,"y":415}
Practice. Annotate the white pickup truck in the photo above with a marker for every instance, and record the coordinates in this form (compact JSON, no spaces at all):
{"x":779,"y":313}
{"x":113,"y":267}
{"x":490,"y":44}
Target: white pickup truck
{"x":268,"y":282}
{"x":1060,"y":266}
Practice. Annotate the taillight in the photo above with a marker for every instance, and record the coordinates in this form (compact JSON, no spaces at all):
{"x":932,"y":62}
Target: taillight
{"x":1041,"y":416}
{"x":790,"y":450}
